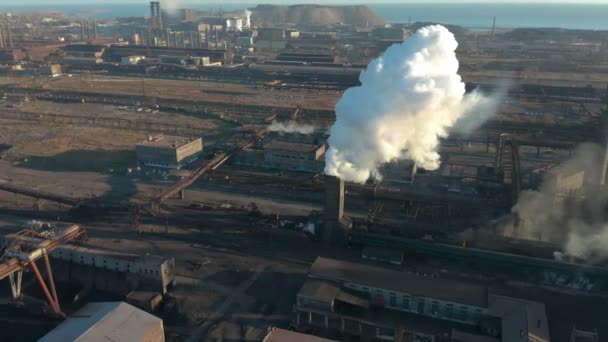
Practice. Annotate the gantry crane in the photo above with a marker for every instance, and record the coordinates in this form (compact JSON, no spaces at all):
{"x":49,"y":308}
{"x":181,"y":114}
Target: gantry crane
{"x":23,"y":249}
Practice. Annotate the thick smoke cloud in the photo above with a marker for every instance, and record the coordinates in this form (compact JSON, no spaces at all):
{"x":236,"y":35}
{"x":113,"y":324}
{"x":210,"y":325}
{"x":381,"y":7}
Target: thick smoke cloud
{"x":290,"y":127}
{"x":577,"y":223}
{"x":408,"y":99}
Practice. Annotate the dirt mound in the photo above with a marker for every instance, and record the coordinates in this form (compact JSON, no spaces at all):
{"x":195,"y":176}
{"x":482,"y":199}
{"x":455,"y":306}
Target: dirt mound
{"x":315,"y":15}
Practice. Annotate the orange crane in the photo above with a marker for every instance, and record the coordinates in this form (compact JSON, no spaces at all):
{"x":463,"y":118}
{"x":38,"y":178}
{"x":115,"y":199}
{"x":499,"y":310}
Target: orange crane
{"x":23,"y":249}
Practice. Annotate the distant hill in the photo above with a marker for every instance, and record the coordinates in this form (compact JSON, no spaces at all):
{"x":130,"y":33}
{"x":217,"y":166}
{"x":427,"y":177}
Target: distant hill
{"x":274,"y":15}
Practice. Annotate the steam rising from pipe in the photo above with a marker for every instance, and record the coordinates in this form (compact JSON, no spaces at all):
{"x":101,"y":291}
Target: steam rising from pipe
{"x":290,"y":127}
{"x":247,"y":15}
{"x":409,"y":98}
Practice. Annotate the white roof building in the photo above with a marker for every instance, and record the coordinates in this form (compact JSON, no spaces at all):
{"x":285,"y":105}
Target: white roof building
{"x":108,"y":321}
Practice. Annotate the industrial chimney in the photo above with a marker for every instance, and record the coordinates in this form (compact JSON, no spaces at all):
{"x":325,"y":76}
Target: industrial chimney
{"x":156,"y":20}
{"x":334,"y":208}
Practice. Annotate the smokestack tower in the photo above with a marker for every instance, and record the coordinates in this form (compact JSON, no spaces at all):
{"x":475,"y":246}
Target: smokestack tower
{"x":493,"y":27}
{"x":334,"y":208}
{"x":2,"y":45}
{"x":156,"y":20}
{"x":87,"y":29}
{"x":9,"y":35}
{"x":605,"y":165}
{"x":207,"y":38}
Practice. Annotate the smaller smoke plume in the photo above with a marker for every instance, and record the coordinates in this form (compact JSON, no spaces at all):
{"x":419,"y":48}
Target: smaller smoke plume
{"x":555,"y":214}
{"x":170,"y":6}
{"x":291,"y":127}
{"x":486,"y":106}
{"x":247,"y":15}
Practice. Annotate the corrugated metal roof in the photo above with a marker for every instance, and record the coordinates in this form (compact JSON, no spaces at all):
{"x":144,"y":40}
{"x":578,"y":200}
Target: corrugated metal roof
{"x":105,"y":321}
{"x":522,"y":320}
{"x":390,"y":279}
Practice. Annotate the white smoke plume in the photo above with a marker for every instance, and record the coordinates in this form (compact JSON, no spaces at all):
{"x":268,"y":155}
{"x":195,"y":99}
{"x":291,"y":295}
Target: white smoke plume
{"x":291,"y":127}
{"x":577,"y":222}
{"x":408,"y":99}
{"x":247,"y":15}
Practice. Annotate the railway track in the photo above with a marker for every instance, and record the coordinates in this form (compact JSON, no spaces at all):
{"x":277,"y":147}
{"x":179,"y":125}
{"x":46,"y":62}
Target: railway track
{"x":81,"y":120}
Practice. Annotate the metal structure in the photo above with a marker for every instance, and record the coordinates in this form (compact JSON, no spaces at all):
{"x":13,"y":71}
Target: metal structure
{"x":40,"y":195}
{"x":212,"y":164}
{"x":156,"y":19}
{"x":481,"y":256}
{"x":507,"y":163}
{"x":23,"y":249}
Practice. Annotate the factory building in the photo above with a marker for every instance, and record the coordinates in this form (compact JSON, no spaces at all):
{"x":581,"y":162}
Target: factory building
{"x":115,"y":53}
{"x":287,"y":151}
{"x":11,"y":56}
{"x":83,"y":54}
{"x":294,"y":156}
{"x":131,"y":60}
{"x":394,"y":33}
{"x":234,"y":24}
{"x":113,"y":271}
{"x":282,"y":335}
{"x":168,"y":151}
{"x":271,"y":34}
{"x":371,"y":302}
{"x":108,"y":321}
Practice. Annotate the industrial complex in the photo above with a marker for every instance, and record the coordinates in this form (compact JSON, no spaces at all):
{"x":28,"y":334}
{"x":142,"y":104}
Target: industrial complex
{"x":300,"y":173}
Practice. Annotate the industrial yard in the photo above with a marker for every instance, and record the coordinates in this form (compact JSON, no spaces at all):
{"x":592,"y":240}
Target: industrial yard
{"x":229,"y":177}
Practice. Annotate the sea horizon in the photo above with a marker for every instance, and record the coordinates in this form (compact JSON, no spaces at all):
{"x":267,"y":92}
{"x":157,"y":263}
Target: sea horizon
{"x":589,"y":16}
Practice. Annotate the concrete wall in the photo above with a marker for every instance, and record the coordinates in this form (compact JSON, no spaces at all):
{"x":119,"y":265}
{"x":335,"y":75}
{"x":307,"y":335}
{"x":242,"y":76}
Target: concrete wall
{"x":190,"y":149}
{"x":337,"y":325}
{"x":292,"y":160}
{"x":111,"y":272}
{"x":406,"y":302}
{"x":167,"y":156}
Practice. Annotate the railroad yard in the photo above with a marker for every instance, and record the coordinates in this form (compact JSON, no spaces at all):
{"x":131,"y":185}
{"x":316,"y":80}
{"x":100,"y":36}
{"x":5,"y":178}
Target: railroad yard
{"x":220,"y":171}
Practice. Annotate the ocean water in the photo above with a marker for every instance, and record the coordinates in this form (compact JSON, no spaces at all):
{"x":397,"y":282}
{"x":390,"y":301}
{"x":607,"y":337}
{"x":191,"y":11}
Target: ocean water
{"x":479,"y":16}
{"x":571,"y":16}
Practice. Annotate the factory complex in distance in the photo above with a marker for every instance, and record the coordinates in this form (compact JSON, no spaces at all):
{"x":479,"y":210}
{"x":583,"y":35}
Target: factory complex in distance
{"x":299,"y":173}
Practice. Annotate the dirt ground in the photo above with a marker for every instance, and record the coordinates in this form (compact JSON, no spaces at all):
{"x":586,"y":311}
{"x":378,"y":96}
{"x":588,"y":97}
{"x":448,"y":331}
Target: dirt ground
{"x":47,"y":145}
{"x":188,"y":90}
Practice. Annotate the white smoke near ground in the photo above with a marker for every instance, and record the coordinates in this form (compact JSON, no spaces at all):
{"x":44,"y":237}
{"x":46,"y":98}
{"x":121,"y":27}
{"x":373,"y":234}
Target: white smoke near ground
{"x":247,"y":15}
{"x":409,"y":98}
{"x":575,"y":220}
{"x":291,"y":127}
